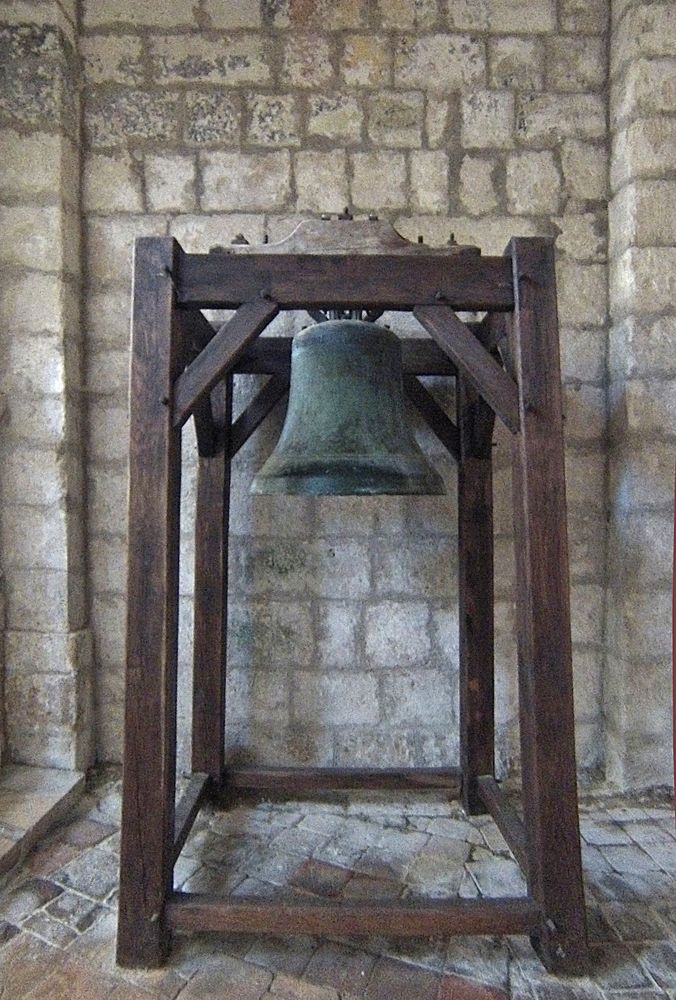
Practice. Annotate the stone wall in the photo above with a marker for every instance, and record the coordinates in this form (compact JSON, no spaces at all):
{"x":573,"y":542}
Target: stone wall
{"x":482,"y":119}
{"x":42,"y":538}
{"x":642,"y":391}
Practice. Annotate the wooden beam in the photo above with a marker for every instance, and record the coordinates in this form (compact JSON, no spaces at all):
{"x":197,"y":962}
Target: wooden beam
{"x":206,"y":431}
{"x":272,"y":356}
{"x":438,"y":421}
{"x":187,"y":809}
{"x":397,"y":918}
{"x":345,"y":281}
{"x":219,"y":355}
{"x":314,"y":779}
{"x":257,"y":410}
{"x":473,"y":360}
{"x":506,"y":819}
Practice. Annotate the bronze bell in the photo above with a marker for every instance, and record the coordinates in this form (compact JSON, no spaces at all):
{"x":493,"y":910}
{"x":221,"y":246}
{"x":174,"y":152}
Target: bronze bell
{"x":346,"y":430}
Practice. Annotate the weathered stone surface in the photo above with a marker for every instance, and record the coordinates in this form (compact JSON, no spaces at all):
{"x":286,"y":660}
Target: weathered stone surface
{"x":112,"y":183}
{"x":237,"y":59}
{"x":365,"y":61}
{"x":503,"y":16}
{"x":233,"y":14}
{"x":581,"y":294}
{"x":545,"y":119}
{"x":170,"y":183}
{"x":307,"y":61}
{"x":643,"y":279}
{"x":575,"y":64}
{"x":211,"y":118}
{"x":110,"y":245}
{"x":113,"y":117}
{"x":646,"y":88}
{"x":112,"y":59}
{"x":115,"y":12}
{"x":587,"y":16}
{"x":404,"y":14}
{"x":644,"y":149}
{"x":336,"y":698}
{"x":321,"y":181}
{"x":273,"y":120}
{"x":429,"y":181}
{"x":647,"y":29}
{"x":324,"y":15}
{"x":439,"y":62}
{"x":335,"y":116}
{"x":516,"y":63}
{"x":396,"y":119}
{"x":585,"y":168}
{"x":396,"y":634}
{"x":487,"y":119}
{"x":436,"y":121}
{"x":583,"y":237}
{"x":235,"y":181}
{"x":642,"y":214}
{"x":533,"y":183}
{"x":477,"y":190}
{"x":378,"y":180}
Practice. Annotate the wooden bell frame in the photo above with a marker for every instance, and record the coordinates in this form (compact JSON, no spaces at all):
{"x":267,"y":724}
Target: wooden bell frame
{"x":182,"y":368}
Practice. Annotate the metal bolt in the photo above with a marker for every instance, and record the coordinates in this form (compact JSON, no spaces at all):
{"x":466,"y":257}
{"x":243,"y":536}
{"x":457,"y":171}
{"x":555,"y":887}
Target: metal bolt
{"x":373,"y":217}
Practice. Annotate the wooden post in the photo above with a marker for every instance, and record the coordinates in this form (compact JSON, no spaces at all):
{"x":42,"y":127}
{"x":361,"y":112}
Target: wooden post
{"x":146,"y":853}
{"x":475,"y":569}
{"x":543,"y":613}
{"x":211,"y":596}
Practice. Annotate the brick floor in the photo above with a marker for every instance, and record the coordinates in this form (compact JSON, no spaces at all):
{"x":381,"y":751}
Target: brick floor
{"x":58,"y":911}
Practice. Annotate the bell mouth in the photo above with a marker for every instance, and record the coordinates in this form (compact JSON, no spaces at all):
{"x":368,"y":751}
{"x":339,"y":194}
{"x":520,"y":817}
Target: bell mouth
{"x":348,"y":476}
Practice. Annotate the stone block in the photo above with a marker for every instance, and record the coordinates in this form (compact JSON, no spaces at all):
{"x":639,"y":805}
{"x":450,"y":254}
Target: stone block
{"x":53,"y":653}
{"x":379,"y":180}
{"x":38,"y":599}
{"x":111,"y":183}
{"x":273,"y":120}
{"x":108,"y":501}
{"x":256,"y":694}
{"x":113,"y":117}
{"x":643,"y":213}
{"x":643,"y":280}
{"x":108,"y":374}
{"x":581,"y":293}
{"x":477,"y":189}
{"x":191,"y":58}
{"x":405,"y":14}
{"x":650,"y":409}
{"x":582,"y":237}
{"x":107,"y":315}
{"x":335,"y":116}
{"x":337,"y":634}
{"x":642,"y":477}
{"x":647,"y":29}
{"x":638,"y":628}
{"x":172,"y":14}
{"x":429,"y":181}
{"x":517,"y":63}
{"x":646,"y":88}
{"x":285,"y":567}
{"x":546,"y":119}
{"x":641,"y":550}
{"x":38,"y":371}
{"x":487,"y":119}
{"x":321,"y":181}
{"x":212,"y":118}
{"x":397,"y":634}
{"x":324,"y":15}
{"x":640,"y":345}
{"x":109,"y":565}
{"x":36,"y":164}
{"x":109,"y":433}
{"x":365,"y":61}
{"x":503,"y":17}
{"x":233,"y":14}
{"x":112,"y":59}
{"x":307,"y":61}
{"x":585,"y":478}
{"x":109,"y":622}
{"x":575,"y":63}
{"x":586,"y":612}
{"x":263,"y":635}
{"x":533,"y":183}
{"x":34,"y":476}
{"x":585,"y":167}
{"x":644,"y":149}
{"x":236,"y":181}
{"x":38,"y":422}
{"x":170,"y":183}
{"x":34,"y":237}
{"x":436,"y":121}
{"x":343,"y":698}
{"x":416,"y":567}
{"x":584,"y":412}
{"x":439,"y":63}
{"x":396,"y":119}
{"x":110,"y":246}
{"x":584,"y":16}
{"x":198,"y":233}
{"x":34,"y":538}
{"x":418,"y":696}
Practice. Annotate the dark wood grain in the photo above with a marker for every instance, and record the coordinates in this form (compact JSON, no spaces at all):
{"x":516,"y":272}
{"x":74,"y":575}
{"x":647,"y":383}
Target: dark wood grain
{"x":311,"y":779}
{"x":345,"y":281}
{"x":187,"y":808}
{"x":437,"y":420}
{"x":543,"y":613}
{"x":210,"y":601}
{"x":475,"y":593}
{"x":147,"y":832}
{"x":506,"y":819}
{"x":260,"y":406}
{"x":219,"y":355}
{"x":400,"y":918}
{"x":272,"y":356}
{"x":472,"y":359}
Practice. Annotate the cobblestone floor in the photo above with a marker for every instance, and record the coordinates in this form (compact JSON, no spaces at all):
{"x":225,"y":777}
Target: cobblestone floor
{"x":58,"y":912}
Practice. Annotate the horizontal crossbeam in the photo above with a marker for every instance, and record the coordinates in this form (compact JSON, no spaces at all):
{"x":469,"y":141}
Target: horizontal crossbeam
{"x":399,"y":918}
{"x":314,"y":779}
{"x":345,"y":281}
{"x":272,"y":356}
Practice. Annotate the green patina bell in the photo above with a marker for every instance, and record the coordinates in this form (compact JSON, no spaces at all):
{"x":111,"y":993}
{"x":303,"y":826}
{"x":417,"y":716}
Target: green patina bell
{"x":346,"y":430}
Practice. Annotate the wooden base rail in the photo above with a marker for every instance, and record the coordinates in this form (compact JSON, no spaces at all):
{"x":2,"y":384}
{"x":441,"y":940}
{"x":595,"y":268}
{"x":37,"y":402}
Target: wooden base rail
{"x":402,"y":918}
{"x":298,"y":780}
